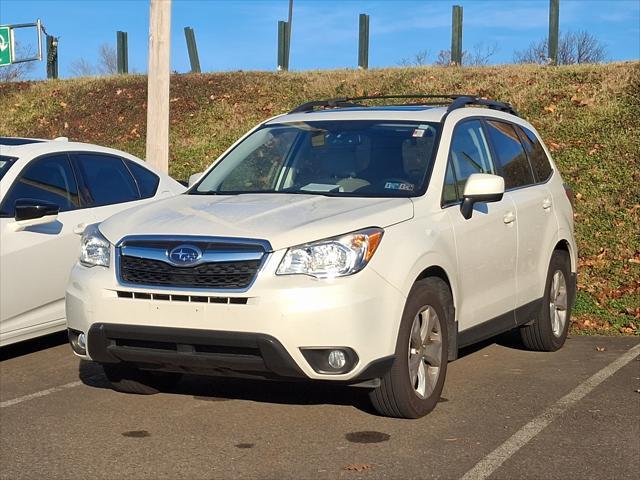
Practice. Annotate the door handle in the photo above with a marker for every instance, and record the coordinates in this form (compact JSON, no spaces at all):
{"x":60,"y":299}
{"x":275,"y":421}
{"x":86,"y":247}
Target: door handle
{"x":79,"y":229}
{"x":510,"y":217}
{"x":546,"y":203}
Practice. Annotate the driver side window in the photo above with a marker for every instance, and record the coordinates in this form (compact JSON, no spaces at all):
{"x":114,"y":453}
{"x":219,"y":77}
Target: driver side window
{"x":50,"y":179}
{"x":469,"y":153}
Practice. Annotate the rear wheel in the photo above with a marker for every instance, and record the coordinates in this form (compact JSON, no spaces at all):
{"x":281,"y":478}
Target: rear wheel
{"x":412,"y":387}
{"x":128,"y":379}
{"x":549,"y":330}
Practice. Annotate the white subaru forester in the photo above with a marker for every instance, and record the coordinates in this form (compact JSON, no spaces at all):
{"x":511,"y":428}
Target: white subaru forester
{"x":358,"y":244}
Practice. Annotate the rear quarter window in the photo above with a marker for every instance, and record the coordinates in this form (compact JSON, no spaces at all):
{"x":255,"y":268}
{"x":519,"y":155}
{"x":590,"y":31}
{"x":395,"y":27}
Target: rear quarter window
{"x":514,"y":164}
{"x":147,"y":180}
{"x":537,"y":156}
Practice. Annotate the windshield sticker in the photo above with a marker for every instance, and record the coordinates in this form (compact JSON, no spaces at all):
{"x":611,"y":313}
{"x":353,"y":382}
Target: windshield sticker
{"x":321,"y":187}
{"x":407,"y":187}
{"x":317,"y":139}
{"x":418,"y":132}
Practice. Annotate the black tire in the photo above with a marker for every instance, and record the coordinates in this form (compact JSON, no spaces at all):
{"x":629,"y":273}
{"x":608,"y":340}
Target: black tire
{"x":127,"y":379}
{"x":540,"y":335}
{"x":397,"y":395}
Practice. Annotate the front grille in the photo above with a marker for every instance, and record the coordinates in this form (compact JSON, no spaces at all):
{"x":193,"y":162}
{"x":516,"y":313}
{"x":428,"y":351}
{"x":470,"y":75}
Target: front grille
{"x":225,"y":264}
{"x":227,"y":275}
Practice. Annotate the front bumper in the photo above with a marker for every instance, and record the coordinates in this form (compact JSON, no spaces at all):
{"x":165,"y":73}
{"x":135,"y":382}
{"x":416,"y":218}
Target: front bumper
{"x":202,"y":351}
{"x":261,"y":332}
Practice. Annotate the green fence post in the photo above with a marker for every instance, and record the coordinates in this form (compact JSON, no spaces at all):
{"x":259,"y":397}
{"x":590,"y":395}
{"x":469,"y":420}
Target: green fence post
{"x":289,"y":24}
{"x":554,"y":27}
{"x":52,"y":57}
{"x":282,"y":45}
{"x":192,"y":49}
{"x":456,"y":35}
{"x":122,"y":52}
{"x":363,"y":41}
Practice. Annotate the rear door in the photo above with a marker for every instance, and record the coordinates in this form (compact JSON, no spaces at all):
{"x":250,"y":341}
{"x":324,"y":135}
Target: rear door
{"x":36,"y":261}
{"x":485,"y":243}
{"x":536,"y":224}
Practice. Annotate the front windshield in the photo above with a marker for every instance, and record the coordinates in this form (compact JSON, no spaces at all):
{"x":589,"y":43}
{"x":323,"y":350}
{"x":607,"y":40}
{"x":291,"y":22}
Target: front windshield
{"x":342,"y":158}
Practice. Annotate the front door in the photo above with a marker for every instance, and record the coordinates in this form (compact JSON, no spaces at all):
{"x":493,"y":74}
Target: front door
{"x":486,"y":244}
{"x":36,"y":262}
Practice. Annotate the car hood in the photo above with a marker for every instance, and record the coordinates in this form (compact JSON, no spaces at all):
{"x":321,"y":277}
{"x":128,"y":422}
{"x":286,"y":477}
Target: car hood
{"x":282,"y":219}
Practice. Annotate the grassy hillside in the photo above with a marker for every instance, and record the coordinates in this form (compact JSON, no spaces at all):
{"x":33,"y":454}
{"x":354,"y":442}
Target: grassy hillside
{"x":588,"y":115}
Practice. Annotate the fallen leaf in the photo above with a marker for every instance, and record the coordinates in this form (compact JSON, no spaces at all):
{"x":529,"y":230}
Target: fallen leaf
{"x":357,"y":467}
{"x":554,"y":147}
{"x":63,"y":104}
{"x":583,"y":102}
{"x":550,"y":108}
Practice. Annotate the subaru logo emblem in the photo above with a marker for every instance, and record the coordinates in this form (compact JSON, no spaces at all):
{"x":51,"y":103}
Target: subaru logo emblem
{"x":184,"y":255}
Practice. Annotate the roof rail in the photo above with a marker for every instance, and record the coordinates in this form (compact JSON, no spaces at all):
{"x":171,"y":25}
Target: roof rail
{"x":453,"y":101}
{"x":463,"y":101}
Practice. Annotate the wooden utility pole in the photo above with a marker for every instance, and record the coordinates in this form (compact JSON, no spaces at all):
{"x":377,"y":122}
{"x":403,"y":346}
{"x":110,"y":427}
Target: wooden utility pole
{"x":158,"y":85}
{"x":554,"y":30}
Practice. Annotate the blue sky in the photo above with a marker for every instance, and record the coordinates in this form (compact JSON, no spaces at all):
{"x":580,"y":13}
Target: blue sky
{"x":241,"y":34}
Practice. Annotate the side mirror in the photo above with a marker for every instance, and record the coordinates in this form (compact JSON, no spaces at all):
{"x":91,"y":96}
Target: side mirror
{"x":481,"y":188}
{"x":30,"y":212}
{"x":194,"y":178}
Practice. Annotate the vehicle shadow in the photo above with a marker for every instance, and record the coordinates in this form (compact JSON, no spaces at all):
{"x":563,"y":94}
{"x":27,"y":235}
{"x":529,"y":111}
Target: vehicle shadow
{"x":34,"y":345}
{"x":510,"y":339}
{"x":219,"y":388}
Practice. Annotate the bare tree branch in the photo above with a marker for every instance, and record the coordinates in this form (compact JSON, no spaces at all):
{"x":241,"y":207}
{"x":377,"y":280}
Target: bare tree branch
{"x":107,"y":60}
{"x":82,"y":68}
{"x":480,"y":55}
{"x":573,"y":47}
{"x":419,"y":59}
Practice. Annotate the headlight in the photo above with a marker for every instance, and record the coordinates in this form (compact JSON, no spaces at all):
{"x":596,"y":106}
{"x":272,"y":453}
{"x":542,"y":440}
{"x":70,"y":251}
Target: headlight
{"x":94,"y":249}
{"x":333,"y":257}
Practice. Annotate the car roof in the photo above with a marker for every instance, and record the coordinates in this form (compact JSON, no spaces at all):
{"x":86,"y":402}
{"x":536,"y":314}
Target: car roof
{"x":392,"y":112}
{"x":27,"y":148}
{"x":413,"y":113}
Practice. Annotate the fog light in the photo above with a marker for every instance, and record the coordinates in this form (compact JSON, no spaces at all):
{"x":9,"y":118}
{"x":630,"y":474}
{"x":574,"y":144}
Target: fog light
{"x":333,"y":360}
{"x":78,"y":341}
{"x":337,"y":359}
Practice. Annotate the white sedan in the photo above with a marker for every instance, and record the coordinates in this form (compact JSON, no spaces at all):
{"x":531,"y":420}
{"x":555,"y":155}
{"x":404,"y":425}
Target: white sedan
{"x":50,"y":190}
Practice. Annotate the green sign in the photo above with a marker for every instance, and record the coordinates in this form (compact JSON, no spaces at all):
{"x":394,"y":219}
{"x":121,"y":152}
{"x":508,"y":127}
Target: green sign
{"x":5,"y":46}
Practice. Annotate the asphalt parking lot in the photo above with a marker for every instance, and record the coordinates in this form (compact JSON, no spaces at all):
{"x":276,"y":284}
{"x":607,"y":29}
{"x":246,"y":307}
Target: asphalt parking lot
{"x":505,"y":413}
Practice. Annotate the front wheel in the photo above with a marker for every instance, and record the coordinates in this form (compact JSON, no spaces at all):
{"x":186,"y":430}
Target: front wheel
{"x":412,"y":388}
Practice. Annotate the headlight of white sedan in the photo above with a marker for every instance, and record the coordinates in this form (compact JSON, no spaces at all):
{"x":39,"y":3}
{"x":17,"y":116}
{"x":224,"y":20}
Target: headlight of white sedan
{"x":333,"y":257}
{"x":94,"y":248}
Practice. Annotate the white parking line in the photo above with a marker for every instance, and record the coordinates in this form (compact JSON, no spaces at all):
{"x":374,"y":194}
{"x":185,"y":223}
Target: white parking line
{"x":42,"y":393}
{"x":492,"y":462}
